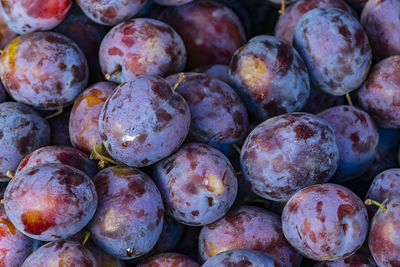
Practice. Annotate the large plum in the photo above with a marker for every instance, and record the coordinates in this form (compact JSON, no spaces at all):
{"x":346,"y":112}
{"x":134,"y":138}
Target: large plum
{"x":335,"y":49}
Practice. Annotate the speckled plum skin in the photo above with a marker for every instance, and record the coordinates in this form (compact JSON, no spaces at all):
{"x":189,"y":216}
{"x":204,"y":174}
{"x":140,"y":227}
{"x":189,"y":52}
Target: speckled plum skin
{"x":35,"y":15}
{"x":169,"y":260}
{"x":211,"y":31}
{"x":50,"y":201}
{"x":59,"y":154}
{"x":43,"y":69}
{"x":325,"y":222}
{"x":110,"y":12}
{"x":380,"y":19}
{"x":356,"y":260}
{"x":172,"y":2}
{"x":320,"y":101}
{"x":144,"y":121}
{"x":242,"y":257}
{"x":6,"y":34}
{"x":247,"y":227}
{"x":61,"y":253}
{"x":218,"y":115}
{"x":383,"y":240}
{"x":357,"y":139}
{"x":383,"y":81}
{"x":197,"y":183}
{"x":335,"y":49}
{"x":142,"y":47}
{"x":60,"y":128}
{"x":22,"y":131}
{"x":270,"y":76}
{"x":130,"y":212}
{"x":287,"y":153}
{"x":287,"y":22}
{"x":83,"y":123}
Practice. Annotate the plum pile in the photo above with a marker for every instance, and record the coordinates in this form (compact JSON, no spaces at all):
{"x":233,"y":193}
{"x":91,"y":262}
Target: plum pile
{"x":188,"y":133}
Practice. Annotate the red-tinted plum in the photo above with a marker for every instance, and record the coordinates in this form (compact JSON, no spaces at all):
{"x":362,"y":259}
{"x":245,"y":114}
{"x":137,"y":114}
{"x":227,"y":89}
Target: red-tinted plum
{"x":242,"y":257}
{"x":197,"y":184}
{"x":172,"y":2}
{"x":380,"y":94}
{"x":24,"y":16}
{"x":357,"y":139}
{"x":287,"y":153}
{"x":141,"y":47}
{"x":61,"y":253}
{"x":380,"y":19}
{"x":110,"y":12}
{"x":83,"y":123}
{"x":58,"y":154}
{"x":218,"y":116}
{"x":320,"y":101}
{"x":356,"y":260}
{"x":211,"y":31}
{"x":60,"y":128}
{"x":45,"y":70}
{"x":22,"y":131}
{"x":383,"y":240}
{"x":287,"y":22}
{"x":50,"y":201}
{"x":143,"y":121}
{"x":325,"y":222}
{"x":6,"y":34}
{"x":169,"y":260}
{"x":247,"y":227}
{"x":270,"y":76}
{"x":129,"y":218}
{"x":335,"y":49}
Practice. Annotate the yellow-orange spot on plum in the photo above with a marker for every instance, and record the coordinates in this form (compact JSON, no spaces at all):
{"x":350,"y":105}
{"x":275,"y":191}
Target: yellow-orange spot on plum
{"x":211,"y":249}
{"x":214,"y":184}
{"x":254,"y":73}
{"x":37,"y":221}
{"x":123,"y":171}
{"x":9,"y":225}
{"x":94,"y":99}
{"x":12,"y":50}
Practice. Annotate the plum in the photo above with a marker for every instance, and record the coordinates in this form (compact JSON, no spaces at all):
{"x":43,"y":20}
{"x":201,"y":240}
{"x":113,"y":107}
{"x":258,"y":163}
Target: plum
{"x":325,"y":222}
{"x":287,"y":153}
{"x":83,"y":123}
{"x":356,"y":260}
{"x":320,"y":101}
{"x":141,"y":47}
{"x":6,"y":34}
{"x":43,"y":69}
{"x":270,"y":76}
{"x":211,"y":31}
{"x":50,"y":201}
{"x":168,"y":260}
{"x":247,"y":227}
{"x":197,"y":183}
{"x":335,"y":49}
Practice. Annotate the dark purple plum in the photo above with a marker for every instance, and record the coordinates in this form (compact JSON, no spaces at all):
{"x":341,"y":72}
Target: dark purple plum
{"x":59,"y":154}
{"x":380,"y":94}
{"x":242,"y":257}
{"x":325,"y":222}
{"x":83,"y":123}
{"x":320,"y":101}
{"x":129,"y":217}
{"x":87,"y":35}
{"x":335,"y":49}
{"x":197,"y":183}
{"x":60,"y":128}
{"x":24,"y":16}
{"x":270,"y":76}
{"x":383,"y":240}
{"x":168,"y":260}
{"x":50,"y":201}
{"x":218,"y":116}
{"x":287,"y":153}
{"x":216,"y":71}
{"x":357,"y":139}
{"x":6,"y":34}
{"x":3,"y":94}
{"x":22,"y":131}
{"x":61,"y":253}
{"x":247,"y":227}
{"x":356,"y":260}
{"x":172,"y":2}
{"x":380,"y":19}
{"x":211,"y":31}
{"x":141,"y":47}
{"x":287,"y":22}
{"x":143,"y":121}
{"x":110,"y":12}
{"x":44,"y":69}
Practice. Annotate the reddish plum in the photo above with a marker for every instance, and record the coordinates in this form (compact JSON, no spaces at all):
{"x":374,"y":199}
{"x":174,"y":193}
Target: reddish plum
{"x":169,"y":260}
{"x":356,"y":260}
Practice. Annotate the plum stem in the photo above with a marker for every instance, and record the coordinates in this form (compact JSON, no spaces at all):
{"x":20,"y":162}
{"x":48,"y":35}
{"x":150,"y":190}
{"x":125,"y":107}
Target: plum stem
{"x":117,"y":69}
{"x":10,"y":174}
{"x":238,"y":173}
{"x":348,"y":98}
{"x":283,"y":7}
{"x":86,"y":238}
{"x":373,"y":202}
{"x":101,"y":156}
{"x":237,"y":148}
{"x":129,"y":252}
{"x":55,"y":114}
{"x":181,"y":77}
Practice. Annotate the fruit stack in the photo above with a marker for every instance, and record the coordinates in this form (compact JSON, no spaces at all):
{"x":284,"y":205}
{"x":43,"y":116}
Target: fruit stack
{"x":199,"y":132}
